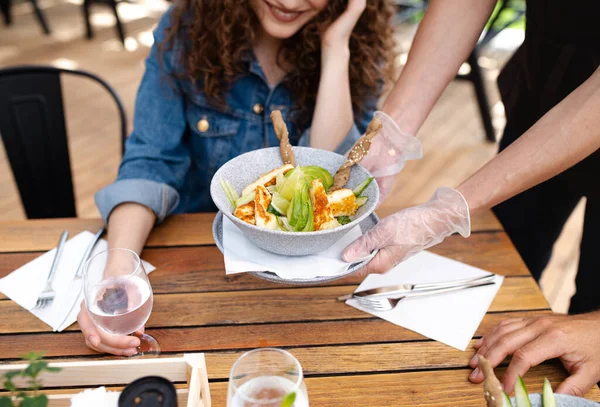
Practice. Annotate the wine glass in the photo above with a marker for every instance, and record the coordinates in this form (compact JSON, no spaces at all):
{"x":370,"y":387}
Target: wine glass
{"x":266,"y":378}
{"x":118,"y":295}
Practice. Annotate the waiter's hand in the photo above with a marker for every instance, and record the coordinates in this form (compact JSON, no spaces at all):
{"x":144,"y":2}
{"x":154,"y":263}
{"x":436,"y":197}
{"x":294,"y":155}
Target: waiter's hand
{"x":100,"y":341}
{"x":411,"y":230}
{"x":389,"y":151}
{"x":574,"y":339}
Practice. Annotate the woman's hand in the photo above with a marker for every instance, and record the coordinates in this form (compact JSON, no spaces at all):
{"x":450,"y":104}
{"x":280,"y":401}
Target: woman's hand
{"x":336,"y":37}
{"x":100,"y":341}
{"x":411,"y":230}
{"x":574,"y":339}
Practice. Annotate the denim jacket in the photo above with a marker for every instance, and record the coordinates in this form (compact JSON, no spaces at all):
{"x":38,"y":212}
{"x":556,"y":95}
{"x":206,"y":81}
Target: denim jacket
{"x":179,"y":139}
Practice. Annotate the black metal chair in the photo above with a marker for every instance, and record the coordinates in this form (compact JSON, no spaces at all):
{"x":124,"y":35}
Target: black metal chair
{"x":89,"y":32}
{"x":32,"y":127}
{"x":5,"y":9}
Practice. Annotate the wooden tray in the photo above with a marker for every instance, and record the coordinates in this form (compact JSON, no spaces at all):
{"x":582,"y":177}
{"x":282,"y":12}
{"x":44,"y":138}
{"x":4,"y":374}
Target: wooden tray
{"x":189,"y":368}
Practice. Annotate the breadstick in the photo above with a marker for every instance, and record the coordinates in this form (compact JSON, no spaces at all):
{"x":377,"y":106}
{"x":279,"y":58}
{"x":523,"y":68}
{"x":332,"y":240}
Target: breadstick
{"x":358,"y":151}
{"x":287,"y":154}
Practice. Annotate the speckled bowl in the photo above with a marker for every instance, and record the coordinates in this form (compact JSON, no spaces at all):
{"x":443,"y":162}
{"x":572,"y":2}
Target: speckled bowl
{"x":246,"y":168}
{"x":561,"y":401}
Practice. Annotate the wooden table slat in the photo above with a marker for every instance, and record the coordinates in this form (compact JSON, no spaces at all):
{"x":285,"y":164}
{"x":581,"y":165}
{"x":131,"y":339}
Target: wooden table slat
{"x":181,"y":230}
{"x":213,"y":338}
{"x":201,"y":268}
{"x":267,"y":306}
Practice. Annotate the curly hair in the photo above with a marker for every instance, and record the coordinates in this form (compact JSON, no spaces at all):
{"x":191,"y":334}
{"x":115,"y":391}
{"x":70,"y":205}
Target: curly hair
{"x":217,"y":34}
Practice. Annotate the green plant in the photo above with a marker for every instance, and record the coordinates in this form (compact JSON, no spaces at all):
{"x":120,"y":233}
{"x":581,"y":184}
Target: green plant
{"x":29,"y":396}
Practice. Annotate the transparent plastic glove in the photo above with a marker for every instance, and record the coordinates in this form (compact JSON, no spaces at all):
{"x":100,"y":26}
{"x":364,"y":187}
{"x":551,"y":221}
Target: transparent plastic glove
{"x":407,"y":232}
{"x":389,"y":151}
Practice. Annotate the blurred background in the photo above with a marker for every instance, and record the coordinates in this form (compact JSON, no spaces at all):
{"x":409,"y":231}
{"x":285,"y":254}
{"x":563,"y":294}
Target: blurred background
{"x":458,"y":137}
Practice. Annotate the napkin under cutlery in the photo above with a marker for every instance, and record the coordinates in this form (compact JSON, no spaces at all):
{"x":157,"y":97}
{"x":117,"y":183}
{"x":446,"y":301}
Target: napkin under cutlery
{"x":241,"y":255}
{"x":25,"y":284}
{"x":451,"y":318}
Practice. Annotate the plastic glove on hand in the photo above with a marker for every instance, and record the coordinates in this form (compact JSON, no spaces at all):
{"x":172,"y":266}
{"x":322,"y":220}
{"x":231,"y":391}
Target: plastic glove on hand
{"x":389,"y":151}
{"x":407,"y":232}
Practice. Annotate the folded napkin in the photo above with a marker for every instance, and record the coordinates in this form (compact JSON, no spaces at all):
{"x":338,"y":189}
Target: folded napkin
{"x":451,"y":318}
{"x":241,"y":255}
{"x":99,"y":397}
{"x":25,"y":284}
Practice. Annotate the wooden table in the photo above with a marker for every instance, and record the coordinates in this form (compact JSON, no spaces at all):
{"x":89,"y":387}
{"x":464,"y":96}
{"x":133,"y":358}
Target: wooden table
{"x":349,"y":357}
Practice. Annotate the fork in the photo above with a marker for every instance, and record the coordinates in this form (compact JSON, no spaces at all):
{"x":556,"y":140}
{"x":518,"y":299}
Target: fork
{"x":47,"y":296}
{"x":381,"y":304}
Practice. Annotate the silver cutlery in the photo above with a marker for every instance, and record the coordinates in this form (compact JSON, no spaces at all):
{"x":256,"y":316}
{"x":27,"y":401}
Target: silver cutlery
{"x":389,"y":303}
{"x":47,"y":296}
{"x":79,"y":273}
{"x":411,"y":289}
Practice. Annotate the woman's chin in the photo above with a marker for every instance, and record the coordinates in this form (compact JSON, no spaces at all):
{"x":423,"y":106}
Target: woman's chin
{"x":281,"y":31}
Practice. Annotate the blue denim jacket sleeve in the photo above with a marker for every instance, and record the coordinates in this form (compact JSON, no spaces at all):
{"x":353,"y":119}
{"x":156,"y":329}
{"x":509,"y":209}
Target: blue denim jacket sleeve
{"x":156,"y":160}
{"x":361,"y":122}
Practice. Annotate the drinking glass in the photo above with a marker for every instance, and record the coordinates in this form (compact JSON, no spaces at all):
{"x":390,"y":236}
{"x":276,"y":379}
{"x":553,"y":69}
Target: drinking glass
{"x":265,"y":378}
{"x":118,"y":295}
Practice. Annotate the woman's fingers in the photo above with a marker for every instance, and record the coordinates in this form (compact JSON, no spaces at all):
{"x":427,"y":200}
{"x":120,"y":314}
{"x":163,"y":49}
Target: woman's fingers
{"x":103,"y":348}
{"x":88,"y":329}
{"x":101,"y":341}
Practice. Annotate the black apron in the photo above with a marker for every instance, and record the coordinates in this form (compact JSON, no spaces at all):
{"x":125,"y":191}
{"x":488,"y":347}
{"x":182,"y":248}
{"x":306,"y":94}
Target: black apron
{"x":561,"y":51}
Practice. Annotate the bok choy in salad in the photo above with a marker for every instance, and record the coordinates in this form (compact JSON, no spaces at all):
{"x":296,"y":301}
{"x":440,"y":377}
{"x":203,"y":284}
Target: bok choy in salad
{"x":296,"y":199}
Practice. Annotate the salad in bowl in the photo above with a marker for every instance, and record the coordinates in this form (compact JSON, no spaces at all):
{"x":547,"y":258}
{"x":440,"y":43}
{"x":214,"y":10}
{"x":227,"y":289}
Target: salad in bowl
{"x":295,"y":200}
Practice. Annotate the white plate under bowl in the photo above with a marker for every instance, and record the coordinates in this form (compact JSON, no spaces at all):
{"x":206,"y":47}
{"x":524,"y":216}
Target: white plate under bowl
{"x":365,"y":225}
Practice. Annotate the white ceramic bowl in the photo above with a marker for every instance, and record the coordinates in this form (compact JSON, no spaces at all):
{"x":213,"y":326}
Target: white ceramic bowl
{"x":247,"y":168}
{"x":561,"y":401}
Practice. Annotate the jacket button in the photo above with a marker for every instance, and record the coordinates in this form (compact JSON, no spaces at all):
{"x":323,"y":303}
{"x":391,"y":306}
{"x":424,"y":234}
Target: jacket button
{"x":203,"y":125}
{"x":258,"y":108}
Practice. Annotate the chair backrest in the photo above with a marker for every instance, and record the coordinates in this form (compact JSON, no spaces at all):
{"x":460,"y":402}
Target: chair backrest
{"x":32,"y":127}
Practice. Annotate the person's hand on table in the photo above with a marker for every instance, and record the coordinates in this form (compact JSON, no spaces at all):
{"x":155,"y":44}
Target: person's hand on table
{"x":390,"y":149}
{"x":100,"y":341}
{"x":574,"y":339}
{"x":411,"y":230}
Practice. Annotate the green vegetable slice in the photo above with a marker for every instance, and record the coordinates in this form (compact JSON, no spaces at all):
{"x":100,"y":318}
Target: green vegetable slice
{"x":521,"y":396}
{"x":288,"y":400}
{"x":302,"y":206}
{"x":282,"y":224}
{"x":313,"y":172}
{"x":361,"y":187}
{"x":249,"y":197}
{"x":548,"y":399}
{"x":280,"y":179}
{"x":361,"y":200}
{"x":230,"y":193}
{"x":274,"y":211}
{"x":343,"y":220}
{"x":280,"y":203}
{"x":310,"y":222}
{"x":506,"y":400}
{"x":288,"y":188}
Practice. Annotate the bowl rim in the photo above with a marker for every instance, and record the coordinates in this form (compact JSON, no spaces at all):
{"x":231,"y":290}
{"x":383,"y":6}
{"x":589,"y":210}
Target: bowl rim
{"x":214,"y":183}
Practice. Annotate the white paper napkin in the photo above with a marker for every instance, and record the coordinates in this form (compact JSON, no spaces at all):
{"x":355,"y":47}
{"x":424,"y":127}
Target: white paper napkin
{"x":25,"y":284}
{"x":451,"y":318}
{"x":241,"y":255}
{"x":99,"y":397}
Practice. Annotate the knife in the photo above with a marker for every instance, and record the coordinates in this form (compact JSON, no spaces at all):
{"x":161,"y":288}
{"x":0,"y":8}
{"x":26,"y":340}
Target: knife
{"x":76,"y":284}
{"x":408,"y":289}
